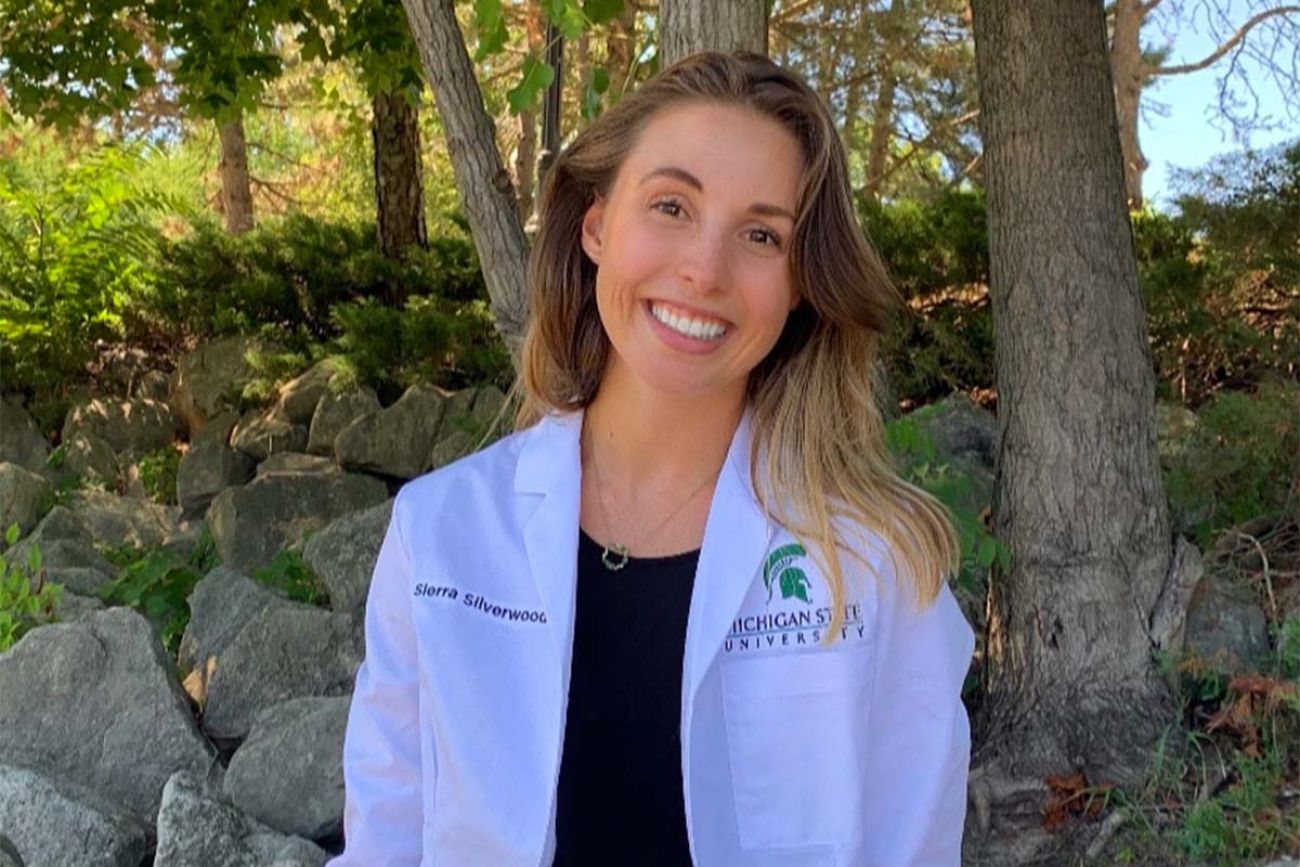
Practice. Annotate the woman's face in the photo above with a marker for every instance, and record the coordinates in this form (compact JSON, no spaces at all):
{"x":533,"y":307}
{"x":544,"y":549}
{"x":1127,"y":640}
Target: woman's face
{"x":692,"y":248}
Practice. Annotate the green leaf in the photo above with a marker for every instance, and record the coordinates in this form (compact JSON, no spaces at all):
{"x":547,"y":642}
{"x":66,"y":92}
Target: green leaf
{"x":11,"y":534}
{"x":602,"y":11}
{"x":538,"y":76}
{"x":490,"y":25}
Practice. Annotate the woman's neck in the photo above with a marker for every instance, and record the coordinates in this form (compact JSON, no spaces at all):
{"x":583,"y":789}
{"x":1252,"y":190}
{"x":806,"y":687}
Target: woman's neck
{"x":651,"y":442}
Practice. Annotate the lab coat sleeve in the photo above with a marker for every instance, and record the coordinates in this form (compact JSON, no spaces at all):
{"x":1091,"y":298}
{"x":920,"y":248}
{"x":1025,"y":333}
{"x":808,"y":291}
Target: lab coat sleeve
{"x":382,"y":815}
{"x":920,"y":748}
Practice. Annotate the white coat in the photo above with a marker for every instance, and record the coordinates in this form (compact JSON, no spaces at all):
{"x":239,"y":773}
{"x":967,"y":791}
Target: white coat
{"x":792,"y":754}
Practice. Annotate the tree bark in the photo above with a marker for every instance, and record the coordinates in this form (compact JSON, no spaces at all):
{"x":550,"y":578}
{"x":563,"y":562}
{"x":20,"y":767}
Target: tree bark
{"x":1126,"y":68}
{"x":1069,"y":674}
{"x":485,"y":187}
{"x":399,"y":179}
{"x":236,"y":187}
{"x":691,"y":26}
{"x":882,"y":120}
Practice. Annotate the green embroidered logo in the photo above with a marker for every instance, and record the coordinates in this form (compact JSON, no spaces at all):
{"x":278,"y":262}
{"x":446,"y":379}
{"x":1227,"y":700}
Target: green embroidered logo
{"x":780,"y":570}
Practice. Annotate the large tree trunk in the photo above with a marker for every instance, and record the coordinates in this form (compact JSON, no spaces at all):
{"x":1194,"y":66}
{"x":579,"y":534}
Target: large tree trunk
{"x":691,"y":26}
{"x":1126,"y":67}
{"x":399,"y":179}
{"x":484,"y":184}
{"x":236,"y":188}
{"x":1079,"y":502}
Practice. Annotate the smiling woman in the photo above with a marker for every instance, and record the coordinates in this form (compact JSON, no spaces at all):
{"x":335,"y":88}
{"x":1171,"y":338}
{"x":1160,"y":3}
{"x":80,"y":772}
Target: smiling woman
{"x":744,"y":650}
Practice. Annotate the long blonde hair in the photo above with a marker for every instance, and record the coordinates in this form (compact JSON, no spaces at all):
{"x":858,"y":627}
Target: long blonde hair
{"x":818,"y":456}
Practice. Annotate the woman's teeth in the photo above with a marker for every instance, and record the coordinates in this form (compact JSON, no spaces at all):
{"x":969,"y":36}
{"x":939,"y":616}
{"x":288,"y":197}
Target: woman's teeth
{"x":700,"y":329}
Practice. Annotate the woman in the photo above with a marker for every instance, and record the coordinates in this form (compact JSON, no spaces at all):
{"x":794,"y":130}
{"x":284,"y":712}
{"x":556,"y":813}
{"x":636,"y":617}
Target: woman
{"x":688,"y":613}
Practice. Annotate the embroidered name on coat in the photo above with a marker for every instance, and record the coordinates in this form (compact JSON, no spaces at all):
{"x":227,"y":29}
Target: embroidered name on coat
{"x":478,"y":603}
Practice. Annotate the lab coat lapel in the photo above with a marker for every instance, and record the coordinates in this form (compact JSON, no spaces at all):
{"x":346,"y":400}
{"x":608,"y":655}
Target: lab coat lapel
{"x":550,"y":472}
{"x":736,"y":536}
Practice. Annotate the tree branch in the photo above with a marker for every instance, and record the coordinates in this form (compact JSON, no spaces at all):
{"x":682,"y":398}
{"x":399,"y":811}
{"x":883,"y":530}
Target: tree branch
{"x":1232,"y":42}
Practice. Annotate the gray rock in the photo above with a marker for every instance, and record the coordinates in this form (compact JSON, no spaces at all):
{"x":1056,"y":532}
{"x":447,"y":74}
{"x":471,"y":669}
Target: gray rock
{"x":334,"y":412}
{"x":74,"y":606}
{"x":97,"y":701}
{"x":960,"y":427}
{"x":22,"y":494}
{"x":114,"y":520}
{"x":343,"y":555}
{"x":1173,"y":424}
{"x":197,"y":827}
{"x":281,"y":463}
{"x":450,"y":447}
{"x":1225,"y":628}
{"x":152,"y":384}
{"x":489,"y":401}
{"x":396,"y":441}
{"x":130,"y":427}
{"x":21,"y":441}
{"x":91,"y":458}
{"x":208,"y":467}
{"x":57,"y":823}
{"x":217,"y":429}
{"x":262,"y":434}
{"x":289,"y":773}
{"x":206,"y":380}
{"x":82,"y":580}
{"x":9,"y":855}
{"x":64,"y":543}
{"x":251,"y":524}
{"x":298,"y":398}
{"x":246,"y":649}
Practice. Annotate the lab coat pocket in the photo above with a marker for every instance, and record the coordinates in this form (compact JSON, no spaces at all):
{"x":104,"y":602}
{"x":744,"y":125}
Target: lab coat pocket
{"x":797,"y":738}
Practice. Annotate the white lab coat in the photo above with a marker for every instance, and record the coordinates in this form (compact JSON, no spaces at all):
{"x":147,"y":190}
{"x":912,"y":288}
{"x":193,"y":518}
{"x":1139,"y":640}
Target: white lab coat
{"x":792,"y":754}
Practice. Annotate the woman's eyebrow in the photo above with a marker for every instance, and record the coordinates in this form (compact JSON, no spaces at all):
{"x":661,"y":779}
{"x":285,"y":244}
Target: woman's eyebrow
{"x":690,"y":180}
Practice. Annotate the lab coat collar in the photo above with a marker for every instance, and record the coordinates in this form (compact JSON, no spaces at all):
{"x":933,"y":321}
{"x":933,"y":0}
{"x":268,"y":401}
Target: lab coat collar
{"x":736,"y":536}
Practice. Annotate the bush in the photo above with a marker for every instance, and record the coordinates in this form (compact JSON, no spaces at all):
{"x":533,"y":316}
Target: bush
{"x":21,"y":610}
{"x":1241,"y":461}
{"x":77,"y":249}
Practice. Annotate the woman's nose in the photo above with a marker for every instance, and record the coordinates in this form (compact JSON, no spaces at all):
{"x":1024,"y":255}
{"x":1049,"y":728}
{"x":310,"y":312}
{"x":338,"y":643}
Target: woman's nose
{"x":703,"y":265}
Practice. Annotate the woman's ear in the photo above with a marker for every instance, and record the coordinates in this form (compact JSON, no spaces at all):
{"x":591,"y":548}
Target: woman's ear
{"x":593,"y":226}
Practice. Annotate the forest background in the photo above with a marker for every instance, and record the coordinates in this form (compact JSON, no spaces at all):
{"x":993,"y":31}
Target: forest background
{"x":174,"y":173}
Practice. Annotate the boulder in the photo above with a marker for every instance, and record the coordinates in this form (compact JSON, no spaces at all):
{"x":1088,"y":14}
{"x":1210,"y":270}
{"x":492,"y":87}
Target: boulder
{"x":130,"y":427}
{"x":22,"y":495}
{"x":21,"y":440}
{"x":61,"y":824}
{"x":959,"y":427}
{"x":343,"y":555}
{"x":246,"y":648}
{"x":73,"y":605}
{"x":207,"y":468}
{"x":91,"y":458}
{"x":396,"y":441}
{"x":297,"y":399}
{"x":252,"y":523}
{"x":114,"y":520}
{"x":152,"y":384}
{"x":334,"y":412}
{"x":289,"y":463}
{"x":1225,"y":628}
{"x":261,"y":434}
{"x":289,"y":773}
{"x":197,"y":827}
{"x":97,"y":701}
{"x":64,"y":543}
{"x":83,"y":581}
{"x":206,"y":380}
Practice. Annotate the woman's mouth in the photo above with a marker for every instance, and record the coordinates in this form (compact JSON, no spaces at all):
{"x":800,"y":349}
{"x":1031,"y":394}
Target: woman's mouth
{"x":687,"y":324}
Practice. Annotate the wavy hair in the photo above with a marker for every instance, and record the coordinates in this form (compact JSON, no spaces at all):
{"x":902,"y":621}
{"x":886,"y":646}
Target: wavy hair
{"x":819,"y":459}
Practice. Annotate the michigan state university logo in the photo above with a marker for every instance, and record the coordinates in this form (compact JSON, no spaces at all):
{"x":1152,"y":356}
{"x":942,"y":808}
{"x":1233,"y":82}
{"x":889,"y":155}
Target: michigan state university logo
{"x":780,"y":571}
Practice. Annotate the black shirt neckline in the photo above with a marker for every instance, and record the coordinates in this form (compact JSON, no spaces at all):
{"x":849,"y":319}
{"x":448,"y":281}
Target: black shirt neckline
{"x":667,"y":560}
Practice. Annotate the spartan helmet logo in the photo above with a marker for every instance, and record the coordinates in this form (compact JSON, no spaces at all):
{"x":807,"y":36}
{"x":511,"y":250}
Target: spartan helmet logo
{"x":780,"y":570}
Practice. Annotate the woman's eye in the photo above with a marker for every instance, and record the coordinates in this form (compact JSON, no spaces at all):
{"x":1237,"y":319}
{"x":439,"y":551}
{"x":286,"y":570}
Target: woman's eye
{"x":668,"y":206}
{"x":765,"y":237}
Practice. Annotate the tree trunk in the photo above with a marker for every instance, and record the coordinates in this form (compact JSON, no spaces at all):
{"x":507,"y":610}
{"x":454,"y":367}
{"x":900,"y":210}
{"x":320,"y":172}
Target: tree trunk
{"x":882,"y":127}
{"x":1069,"y":674}
{"x":236,"y":188}
{"x":691,"y":26}
{"x":399,"y":179}
{"x":485,"y":187}
{"x":1126,"y":67}
{"x":620,"y":46}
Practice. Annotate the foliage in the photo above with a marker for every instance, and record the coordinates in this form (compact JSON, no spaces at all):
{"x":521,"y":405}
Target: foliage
{"x":1240,"y":461}
{"x":77,"y":248}
{"x":158,"y":471}
{"x":21,"y":609}
{"x":157,"y":583}
{"x":918,"y":461}
{"x":288,"y":575}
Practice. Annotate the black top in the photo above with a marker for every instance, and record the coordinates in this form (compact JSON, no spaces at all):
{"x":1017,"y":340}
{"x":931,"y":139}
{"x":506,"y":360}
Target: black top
{"x":620,"y":789}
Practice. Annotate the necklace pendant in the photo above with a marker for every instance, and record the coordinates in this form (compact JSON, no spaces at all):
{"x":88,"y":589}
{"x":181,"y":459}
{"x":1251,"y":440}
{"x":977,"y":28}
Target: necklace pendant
{"x":614,"y":548}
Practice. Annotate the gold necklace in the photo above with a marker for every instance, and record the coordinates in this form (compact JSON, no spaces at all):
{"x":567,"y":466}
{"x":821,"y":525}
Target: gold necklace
{"x":622,"y":551}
